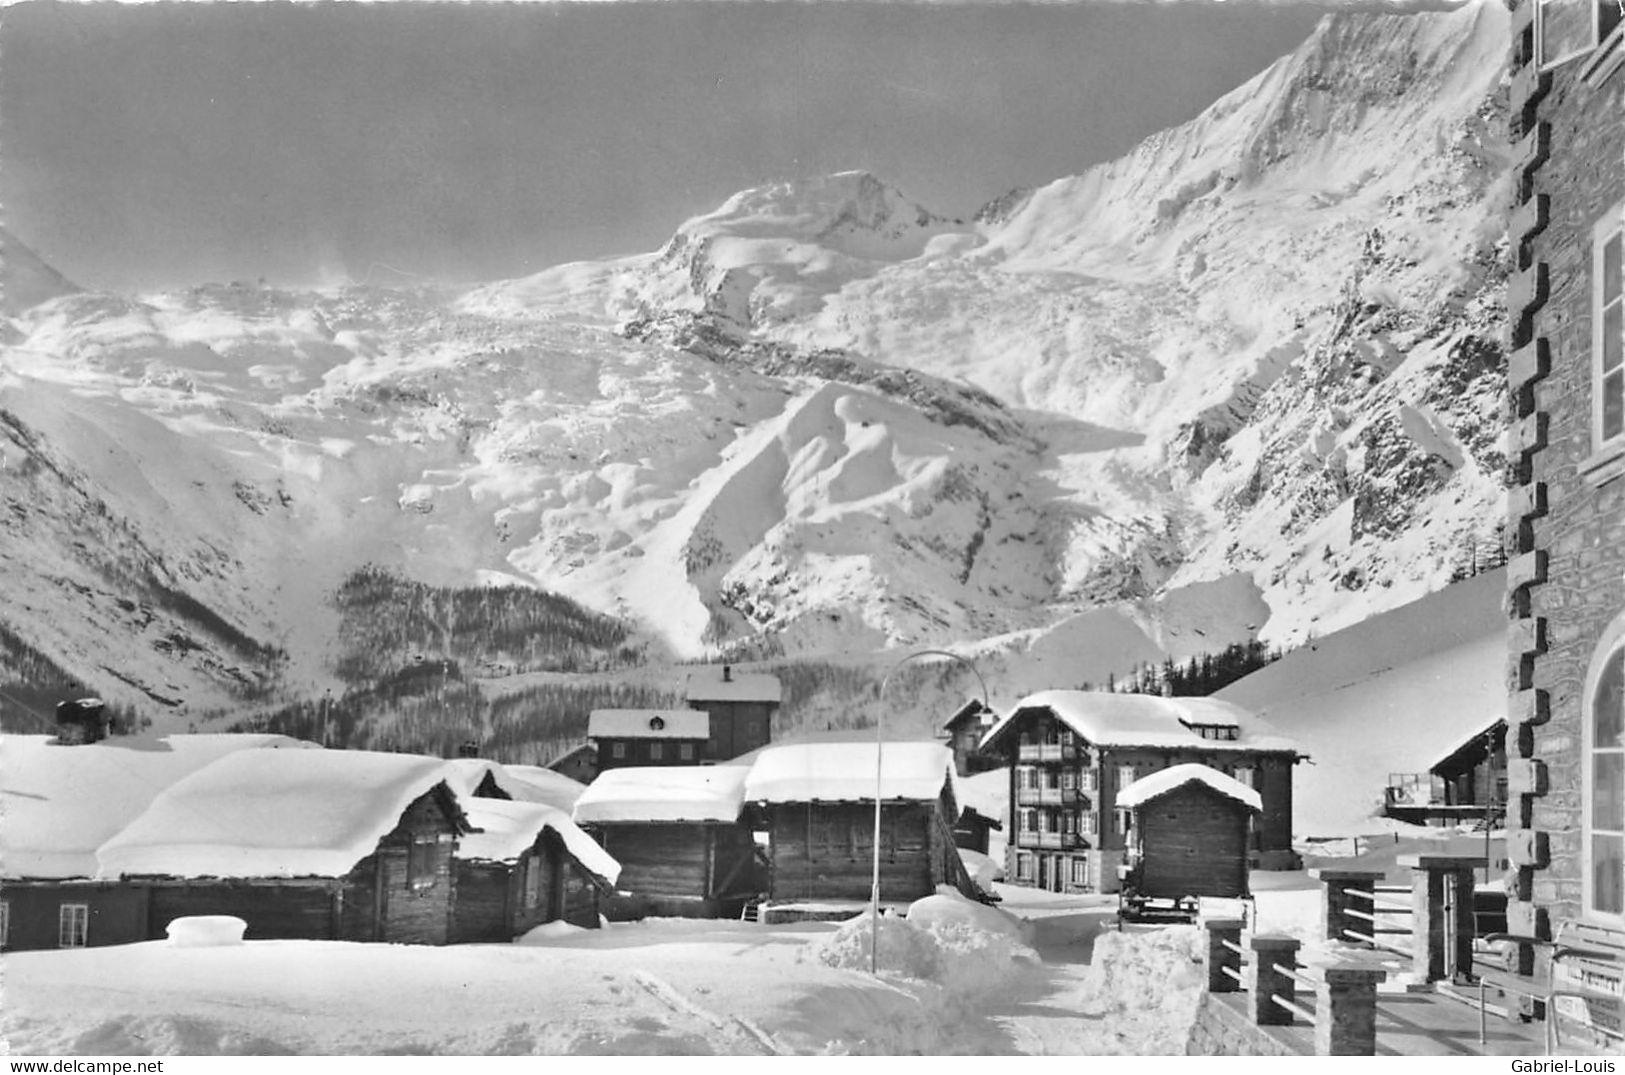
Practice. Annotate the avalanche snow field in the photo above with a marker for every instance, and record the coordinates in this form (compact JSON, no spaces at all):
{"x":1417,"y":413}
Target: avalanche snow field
{"x":663,"y":986}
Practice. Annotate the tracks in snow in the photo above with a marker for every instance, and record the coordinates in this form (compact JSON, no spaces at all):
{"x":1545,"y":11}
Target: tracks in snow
{"x":678,"y":1001}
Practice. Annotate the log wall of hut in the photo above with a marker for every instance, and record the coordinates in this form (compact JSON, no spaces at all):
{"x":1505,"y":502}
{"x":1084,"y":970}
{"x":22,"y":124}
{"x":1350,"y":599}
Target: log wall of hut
{"x":481,"y":911}
{"x":825,"y":851}
{"x":1192,"y":841}
{"x":114,"y":913}
{"x":680,"y":868}
{"x":305,"y":909}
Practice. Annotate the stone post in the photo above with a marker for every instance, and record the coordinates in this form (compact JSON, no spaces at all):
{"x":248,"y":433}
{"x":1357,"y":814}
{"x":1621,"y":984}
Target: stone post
{"x":1346,"y":1016}
{"x":1271,"y":954}
{"x":1220,"y":930}
{"x":1336,"y":900}
{"x":1442,"y":914}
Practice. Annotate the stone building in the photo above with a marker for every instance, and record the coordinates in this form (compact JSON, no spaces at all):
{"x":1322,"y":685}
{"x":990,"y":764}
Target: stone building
{"x":1566,"y":580}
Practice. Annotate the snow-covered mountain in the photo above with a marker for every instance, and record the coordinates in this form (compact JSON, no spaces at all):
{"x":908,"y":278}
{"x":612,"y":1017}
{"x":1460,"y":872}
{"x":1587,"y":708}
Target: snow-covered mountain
{"x":1247,"y":379}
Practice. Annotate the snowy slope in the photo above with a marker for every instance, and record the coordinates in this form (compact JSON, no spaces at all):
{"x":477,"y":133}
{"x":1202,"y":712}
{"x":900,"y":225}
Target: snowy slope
{"x":1393,"y":694}
{"x":1246,"y":380}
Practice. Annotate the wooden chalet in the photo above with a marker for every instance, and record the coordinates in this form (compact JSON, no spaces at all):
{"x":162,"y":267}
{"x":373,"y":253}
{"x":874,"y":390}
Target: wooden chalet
{"x":678,"y":834}
{"x":964,"y":731}
{"x":741,"y":706}
{"x":648,"y":737}
{"x":1188,"y":835}
{"x":579,"y":763}
{"x":61,"y":802}
{"x":1071,"y":753}
{"x":525,"y":864}
{"x":971,"y":831}
{"x":1467,"y":784}
{"x":314,"y":845}
{"x":817,"y":803}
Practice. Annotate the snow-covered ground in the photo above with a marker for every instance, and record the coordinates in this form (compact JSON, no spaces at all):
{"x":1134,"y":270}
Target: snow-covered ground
{"x":1034,"y":977}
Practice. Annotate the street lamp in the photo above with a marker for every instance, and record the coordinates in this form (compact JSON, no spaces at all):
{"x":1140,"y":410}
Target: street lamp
{"x":880,"y":720}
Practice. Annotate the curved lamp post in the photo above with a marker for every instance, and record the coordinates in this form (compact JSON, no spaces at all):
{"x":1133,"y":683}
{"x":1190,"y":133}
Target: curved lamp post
{"x":880,"y":721}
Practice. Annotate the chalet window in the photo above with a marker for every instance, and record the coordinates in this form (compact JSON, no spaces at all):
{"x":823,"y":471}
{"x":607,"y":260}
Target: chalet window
{"x":1069,"y":779}
{"x":1125,"y":776}
{"x":1604,"y":787}
{"x":533,"y":883}
{"x":617,"y":750}
{"x":1086,"y":823}
{"x":657,"y":751}
{"x":1244,"y":775}
{"x":1565,"y":29}
{"x":1080,"y":870}
{"x":1608,"y":328}
{"x":1088,"y":780}
{"x":420,"y":861}
{"x":1068,"y":822}
{"x":1029,"y":821}
{"x":72,"y":925}
{"x":685,"y":751}
{"x":1024,"y":867}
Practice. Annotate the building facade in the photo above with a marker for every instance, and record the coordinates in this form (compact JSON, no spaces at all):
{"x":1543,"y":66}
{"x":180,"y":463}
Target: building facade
{"x":1072,"y":752}
{"x":626,"y":738}
{"x":1566,"y":371}
{"x":741,"y":706}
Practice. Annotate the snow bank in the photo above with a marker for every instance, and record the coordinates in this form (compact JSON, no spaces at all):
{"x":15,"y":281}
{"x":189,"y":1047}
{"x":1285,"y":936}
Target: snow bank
{"x":1147,"y":986}
{"x":549,"y":932}
{"x":206,"y":931}
{"x":969,"y":951}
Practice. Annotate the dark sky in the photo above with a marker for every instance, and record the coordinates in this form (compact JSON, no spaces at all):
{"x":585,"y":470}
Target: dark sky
{"x":164,"y":144}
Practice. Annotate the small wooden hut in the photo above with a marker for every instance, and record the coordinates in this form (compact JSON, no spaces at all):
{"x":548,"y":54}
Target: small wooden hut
{"x":315,"y":845}
{"x":525,"y":864}
{"x":1189,"y":827}
{"x":62,"y":801}
{"x":817,"y":802}
{"x":678,"y":836}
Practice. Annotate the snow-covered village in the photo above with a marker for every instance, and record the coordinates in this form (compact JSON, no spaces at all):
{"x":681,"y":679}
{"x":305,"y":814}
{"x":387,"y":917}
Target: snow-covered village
{"x":1079,"y":529}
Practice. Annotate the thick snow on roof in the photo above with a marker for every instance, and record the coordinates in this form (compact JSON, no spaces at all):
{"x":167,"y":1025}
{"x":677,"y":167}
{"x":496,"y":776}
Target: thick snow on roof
{"x":273,"y":813}
{"x":507,"y":828}
{"x":536,"y":784}
{"x":845,"y":772}
{"x":670,"y":793}
{"x":709,"y":685}
{"x":60,"y":803}
{"x":649,"y":724}
{"x":1109,"y":719}
{"x":1163,"y":781}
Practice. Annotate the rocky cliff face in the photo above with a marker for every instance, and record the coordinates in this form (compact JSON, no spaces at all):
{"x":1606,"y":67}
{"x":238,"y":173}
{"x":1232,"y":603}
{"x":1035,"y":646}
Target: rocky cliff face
{"x":1246,"y":379}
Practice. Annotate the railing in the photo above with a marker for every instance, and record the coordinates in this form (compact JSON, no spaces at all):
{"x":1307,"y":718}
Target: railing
{"x":1045,"y":752}
{"x":1341,"y":1003}
{"x":1436,"y":911}
{"x":1059,"y":841}
{"x":1048,"y":796}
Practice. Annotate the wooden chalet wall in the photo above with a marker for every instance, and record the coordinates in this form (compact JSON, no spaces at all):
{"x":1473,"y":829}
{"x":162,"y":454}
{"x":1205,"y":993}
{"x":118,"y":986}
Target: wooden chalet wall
{"x":697,"y":869}
{"x":117,"y":913}
{"x":737,"y":727}
{"x":375,"y":901}
{"x":491,"y":897}
{"x":825,"y":851}
{"x":1192,"y":841}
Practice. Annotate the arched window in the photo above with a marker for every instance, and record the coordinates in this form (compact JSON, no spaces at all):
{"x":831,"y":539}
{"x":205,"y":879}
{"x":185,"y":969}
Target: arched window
{"x":1605,"y":779}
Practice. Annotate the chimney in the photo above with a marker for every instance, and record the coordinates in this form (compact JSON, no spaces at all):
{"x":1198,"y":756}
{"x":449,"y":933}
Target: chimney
{"x":727,"y":673}
{"x":82,"y":721}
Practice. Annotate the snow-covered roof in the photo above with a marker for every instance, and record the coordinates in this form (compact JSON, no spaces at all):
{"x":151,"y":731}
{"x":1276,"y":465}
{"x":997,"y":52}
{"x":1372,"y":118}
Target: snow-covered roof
{"x":536,"y":784}
{"x":273,"y":813}
{"x":59,"y":803}
{"x":724,"y":684}
{"x":1163,"y":781}
{"x":845,"y":772}
{"x":465,"y":775}
{"x":983,"y":716}
{"x":649,"y":724}
{"x":1105,"y":718}
{"x":669,"y":793}
{"x":506,"y":829}
{"x":1466,"y":741}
